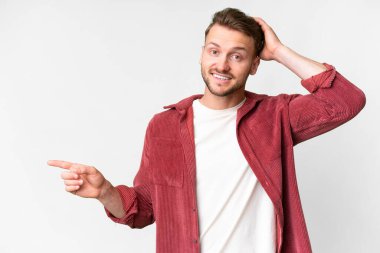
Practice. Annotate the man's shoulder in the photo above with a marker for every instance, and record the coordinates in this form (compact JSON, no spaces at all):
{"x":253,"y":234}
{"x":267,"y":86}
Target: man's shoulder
{"x":166,"y":115}
{"x":279,"y":98}
{"x":266,"y":100}
{"x":172,"y":111}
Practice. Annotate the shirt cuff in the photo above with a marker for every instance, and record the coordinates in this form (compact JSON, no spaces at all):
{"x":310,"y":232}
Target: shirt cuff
{"x":321,"y":80}
{"x":128,"y":198}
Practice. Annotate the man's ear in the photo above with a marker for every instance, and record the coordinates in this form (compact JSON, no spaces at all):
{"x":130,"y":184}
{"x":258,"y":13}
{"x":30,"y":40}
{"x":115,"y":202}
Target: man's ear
{"x":255,"y":65}
{"x":200,"y":57}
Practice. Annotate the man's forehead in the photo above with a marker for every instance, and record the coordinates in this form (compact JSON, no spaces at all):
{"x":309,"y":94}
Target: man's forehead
{"x":214,"y":44}
{"x":222,"y":36}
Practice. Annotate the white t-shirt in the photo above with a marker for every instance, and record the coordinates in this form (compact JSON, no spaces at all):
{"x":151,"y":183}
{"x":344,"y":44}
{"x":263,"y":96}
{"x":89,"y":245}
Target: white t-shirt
{"x":235,"y":212}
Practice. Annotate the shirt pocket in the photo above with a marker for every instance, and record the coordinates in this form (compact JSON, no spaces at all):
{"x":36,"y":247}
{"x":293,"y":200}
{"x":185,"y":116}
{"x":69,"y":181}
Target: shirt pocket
{"x":167,"y":162}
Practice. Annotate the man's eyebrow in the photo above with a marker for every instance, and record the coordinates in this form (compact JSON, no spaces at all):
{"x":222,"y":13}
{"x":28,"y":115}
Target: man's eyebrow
{"x":234,"y":48}
{"x":213,"y":43}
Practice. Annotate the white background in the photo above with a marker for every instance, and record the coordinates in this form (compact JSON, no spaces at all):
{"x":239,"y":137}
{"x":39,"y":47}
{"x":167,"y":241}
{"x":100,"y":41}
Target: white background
{"x":79,"y":81}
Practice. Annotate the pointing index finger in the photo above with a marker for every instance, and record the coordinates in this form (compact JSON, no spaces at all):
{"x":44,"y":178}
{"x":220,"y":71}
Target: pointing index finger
{"x":60,"y":164}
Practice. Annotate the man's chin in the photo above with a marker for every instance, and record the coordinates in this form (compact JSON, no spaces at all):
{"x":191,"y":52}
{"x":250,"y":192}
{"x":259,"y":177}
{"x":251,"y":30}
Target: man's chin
{"x":221,"y":89}
{"x":221,"y":92}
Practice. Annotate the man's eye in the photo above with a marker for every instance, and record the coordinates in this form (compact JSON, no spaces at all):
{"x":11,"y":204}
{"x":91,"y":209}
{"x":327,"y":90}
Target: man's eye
{"x":236,"y":57}
{"x":213,"y":52}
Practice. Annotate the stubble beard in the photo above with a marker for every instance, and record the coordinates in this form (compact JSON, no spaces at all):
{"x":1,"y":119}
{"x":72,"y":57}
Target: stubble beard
{"x":231,"y":90}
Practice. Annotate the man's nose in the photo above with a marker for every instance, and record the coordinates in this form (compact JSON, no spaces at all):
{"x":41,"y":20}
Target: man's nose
{"x":223,"y":65}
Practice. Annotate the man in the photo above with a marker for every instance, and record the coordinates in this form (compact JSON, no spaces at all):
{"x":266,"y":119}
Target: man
{"x":217,"y":171}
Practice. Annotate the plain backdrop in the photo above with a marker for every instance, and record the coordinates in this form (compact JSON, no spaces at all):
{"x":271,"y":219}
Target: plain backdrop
{"x":79,"y":81}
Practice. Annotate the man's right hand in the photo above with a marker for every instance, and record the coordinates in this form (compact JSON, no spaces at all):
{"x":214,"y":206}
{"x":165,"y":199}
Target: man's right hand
{"x":87,"y":182}
{"x":82,"y":180}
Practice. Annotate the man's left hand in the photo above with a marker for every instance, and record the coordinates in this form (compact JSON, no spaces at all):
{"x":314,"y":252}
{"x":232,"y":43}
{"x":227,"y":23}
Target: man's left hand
{"x":272,"y":42}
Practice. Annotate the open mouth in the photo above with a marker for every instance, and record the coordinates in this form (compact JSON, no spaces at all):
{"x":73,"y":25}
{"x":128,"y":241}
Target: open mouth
{"x":221,"y":77}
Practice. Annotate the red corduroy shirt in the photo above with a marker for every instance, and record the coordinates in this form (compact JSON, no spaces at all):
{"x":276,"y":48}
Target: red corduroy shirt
{"x":267,"y":128}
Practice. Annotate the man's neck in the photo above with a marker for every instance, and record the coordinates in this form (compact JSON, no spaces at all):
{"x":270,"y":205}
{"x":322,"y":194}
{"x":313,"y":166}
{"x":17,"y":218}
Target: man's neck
{"x":219,"y":103}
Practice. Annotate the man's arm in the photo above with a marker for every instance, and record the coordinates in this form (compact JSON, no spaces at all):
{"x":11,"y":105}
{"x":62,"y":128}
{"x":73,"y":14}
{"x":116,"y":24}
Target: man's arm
{"x":274,"y":50}
{"x":332,"y":101}
{"x":87,"y":182}
{"x":127,"y":205}
{"x":136,"y":200}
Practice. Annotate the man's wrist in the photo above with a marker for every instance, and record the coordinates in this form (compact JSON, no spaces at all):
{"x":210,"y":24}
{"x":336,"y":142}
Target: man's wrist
{"x":106,"y":192}
{"x":280,"y":54}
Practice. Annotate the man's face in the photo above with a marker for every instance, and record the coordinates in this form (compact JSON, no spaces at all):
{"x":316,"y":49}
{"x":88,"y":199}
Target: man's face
{"x":226,"y":61}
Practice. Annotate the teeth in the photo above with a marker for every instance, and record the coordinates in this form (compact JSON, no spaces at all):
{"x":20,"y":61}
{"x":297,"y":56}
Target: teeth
{"x":221,"y":77}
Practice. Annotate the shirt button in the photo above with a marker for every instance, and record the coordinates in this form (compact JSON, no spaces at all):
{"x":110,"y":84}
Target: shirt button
{"x":193,"y":209}
{"x":195,"y":241}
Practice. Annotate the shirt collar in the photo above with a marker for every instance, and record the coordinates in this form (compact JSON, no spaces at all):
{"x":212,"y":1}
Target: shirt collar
{"x":183,"y":105}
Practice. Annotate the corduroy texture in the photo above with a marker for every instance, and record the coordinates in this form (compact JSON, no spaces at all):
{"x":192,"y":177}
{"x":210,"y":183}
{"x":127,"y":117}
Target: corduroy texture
{"x":267,"y":128}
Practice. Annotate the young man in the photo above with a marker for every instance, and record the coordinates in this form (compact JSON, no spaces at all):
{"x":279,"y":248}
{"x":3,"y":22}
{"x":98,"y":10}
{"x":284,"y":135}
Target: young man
{"x":217,"y":171}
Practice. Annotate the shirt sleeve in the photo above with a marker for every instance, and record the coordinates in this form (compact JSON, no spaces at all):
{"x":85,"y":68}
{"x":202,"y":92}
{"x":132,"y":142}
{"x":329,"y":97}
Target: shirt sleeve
{"x":333,"y":100}
{"x":136,"y":200}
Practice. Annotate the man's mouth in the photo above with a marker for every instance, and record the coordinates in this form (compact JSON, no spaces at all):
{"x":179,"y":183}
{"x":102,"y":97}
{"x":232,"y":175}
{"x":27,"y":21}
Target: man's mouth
{"x":221,"y":77}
